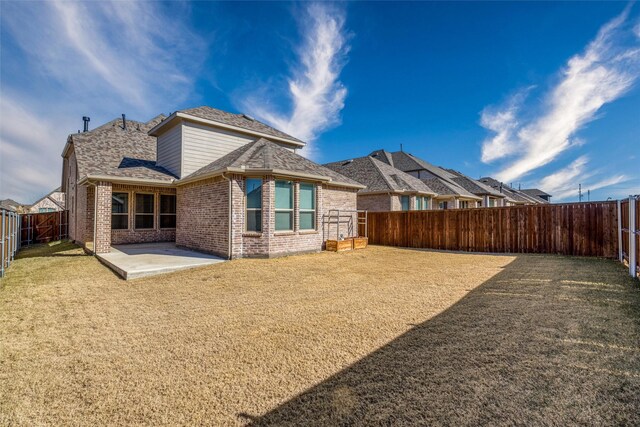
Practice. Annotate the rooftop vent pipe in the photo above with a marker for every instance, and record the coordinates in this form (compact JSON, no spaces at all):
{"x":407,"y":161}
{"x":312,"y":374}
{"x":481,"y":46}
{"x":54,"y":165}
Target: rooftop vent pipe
{"x":124,"y":122}
{"x":86,"y":121}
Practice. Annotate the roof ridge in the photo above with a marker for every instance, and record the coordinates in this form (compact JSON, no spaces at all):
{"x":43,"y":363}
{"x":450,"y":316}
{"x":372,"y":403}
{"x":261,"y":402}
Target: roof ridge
{"x":384,"y":176}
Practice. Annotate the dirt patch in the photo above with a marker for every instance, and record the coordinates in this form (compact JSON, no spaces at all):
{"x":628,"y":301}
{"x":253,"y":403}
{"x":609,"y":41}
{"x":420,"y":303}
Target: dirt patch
{"x":382,"y":335}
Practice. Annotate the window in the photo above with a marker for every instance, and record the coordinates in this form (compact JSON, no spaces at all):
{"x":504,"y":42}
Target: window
{"x":464,"y":204}
{"x":492,"y":203}
{"x":167,"y":211}
{"x":425,"y":203}
{"x":119,"y":211}
{"x":404,"y":202}
{"x":253,"y":193}
{"x":307,"y":206}
{"x":418,"y":203}
{"x":144,"y":211}
{"x":284,"y":205}
{"x":442,"y":205}
{"x":43,"y":210}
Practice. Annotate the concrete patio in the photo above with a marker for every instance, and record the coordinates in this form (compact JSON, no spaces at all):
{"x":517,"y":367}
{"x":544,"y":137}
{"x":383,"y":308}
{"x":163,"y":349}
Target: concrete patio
{"x":148,"y":259}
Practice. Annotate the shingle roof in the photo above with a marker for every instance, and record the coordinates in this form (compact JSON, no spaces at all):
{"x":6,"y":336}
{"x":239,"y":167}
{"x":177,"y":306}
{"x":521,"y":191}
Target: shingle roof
{"x":378,"y":176}
{"x":440,"y":180}
{"x":239,"y":120}
{"x":535,"y":192}
{"x":9,"y":204}
{"x":474,"y":186}
{"x":263,"y":154}
{"x":514,"y":194}
{"x":125,"y":153}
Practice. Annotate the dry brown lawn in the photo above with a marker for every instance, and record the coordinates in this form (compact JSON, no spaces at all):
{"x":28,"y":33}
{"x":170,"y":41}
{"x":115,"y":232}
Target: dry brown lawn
{"x":379,"y":336}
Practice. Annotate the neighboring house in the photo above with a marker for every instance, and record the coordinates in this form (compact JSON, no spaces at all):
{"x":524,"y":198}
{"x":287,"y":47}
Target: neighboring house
{"x":450,"y":195}
{"x":490,"y":197}
{"x":386,"y":188}
{"x":534,"y":192}
{"x":209,"y":180}
{"x":52,"y":202}
{"x":11,"y":205}
{"x":515,"y":197}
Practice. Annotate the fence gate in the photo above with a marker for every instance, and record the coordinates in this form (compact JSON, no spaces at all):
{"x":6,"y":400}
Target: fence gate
{"x":629,"y":233}
{"x":44,"y":227}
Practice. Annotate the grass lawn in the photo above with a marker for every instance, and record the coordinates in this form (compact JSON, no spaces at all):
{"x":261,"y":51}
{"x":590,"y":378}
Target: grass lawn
{"x":379,"y":336}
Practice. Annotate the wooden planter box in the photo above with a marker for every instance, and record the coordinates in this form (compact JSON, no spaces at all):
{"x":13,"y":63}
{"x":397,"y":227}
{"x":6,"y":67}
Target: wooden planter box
{"x":339,"y":245}
{"x":360,"y":242}
{"x":346,"y":244}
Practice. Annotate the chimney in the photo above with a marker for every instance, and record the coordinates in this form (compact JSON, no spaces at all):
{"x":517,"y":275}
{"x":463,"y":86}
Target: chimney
{"x":86,"y":121}
{"x":124,"y":122}
{"x":501,"y":187}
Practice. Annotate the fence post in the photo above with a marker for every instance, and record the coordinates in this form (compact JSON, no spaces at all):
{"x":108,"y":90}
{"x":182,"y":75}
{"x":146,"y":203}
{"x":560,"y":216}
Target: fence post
{"x":620,"y":256}
{"x":632,"y":236}
{"x":2,"y":243}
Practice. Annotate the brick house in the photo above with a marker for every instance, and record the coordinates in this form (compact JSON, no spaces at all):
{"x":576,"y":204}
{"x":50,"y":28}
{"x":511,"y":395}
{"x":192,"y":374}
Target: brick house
{"x":52,"y":202}
{"x":386,"y":188}
{"x":203,"y":178}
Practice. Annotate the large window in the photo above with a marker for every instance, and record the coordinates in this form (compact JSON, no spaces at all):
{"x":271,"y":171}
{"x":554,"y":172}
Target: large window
{"x":119,"y":211}
{"x":464,"y":204}
{"x":307,"y":206}
{"x":284,"y":205}
{"x":167,"y":211}
{"x":145,"y":210}
{"x":442,"y":205}
{"x":404,"y":201}
{"x":254,"y":204}
{"x":419,"y":203}
{"x":425,"y":203}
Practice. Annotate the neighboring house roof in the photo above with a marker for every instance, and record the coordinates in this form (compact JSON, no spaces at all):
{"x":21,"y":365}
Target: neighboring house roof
{"x":516,"y":195}
{"x":59,"y":203}
{"x":9,"y":204}
{"x":474,"y":186}
{"x":440,"y":180}
{"x":240,"y":121}
{"x":534,"y":192}
{"x":265,"y":156}
{"x":379,"y":177}
{"x":111,"y":151}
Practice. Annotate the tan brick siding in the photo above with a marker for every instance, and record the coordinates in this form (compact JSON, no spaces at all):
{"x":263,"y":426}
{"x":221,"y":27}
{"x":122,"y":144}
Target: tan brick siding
{"x":374,"y":202}
{"x":131,"y":235}
{"x":203,"y":220}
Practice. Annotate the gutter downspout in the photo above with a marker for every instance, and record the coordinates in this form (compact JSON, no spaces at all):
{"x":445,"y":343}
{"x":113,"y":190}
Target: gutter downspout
{"x":230,"y":212}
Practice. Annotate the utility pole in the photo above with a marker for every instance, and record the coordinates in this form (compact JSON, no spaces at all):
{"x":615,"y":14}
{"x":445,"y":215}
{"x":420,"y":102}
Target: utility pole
{"x":579,"y":192}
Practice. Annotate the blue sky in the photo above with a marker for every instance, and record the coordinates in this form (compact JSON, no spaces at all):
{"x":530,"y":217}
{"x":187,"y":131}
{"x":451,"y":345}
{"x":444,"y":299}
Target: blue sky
{"x":543,"y":94}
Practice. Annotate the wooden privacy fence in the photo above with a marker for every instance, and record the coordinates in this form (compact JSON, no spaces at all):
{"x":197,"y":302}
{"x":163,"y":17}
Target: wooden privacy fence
{"x":629,"y":233}
{"x":44,"y":227}
{"x":586,"y":229}
{"x":9,"y":241}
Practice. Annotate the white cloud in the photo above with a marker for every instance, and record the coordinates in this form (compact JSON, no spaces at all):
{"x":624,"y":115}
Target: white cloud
{"x":606,"y":70}
{"x":503,"y":122}
{"x":316,"y":93}
{"x":86,"y":58}
{"x":563,"y":184}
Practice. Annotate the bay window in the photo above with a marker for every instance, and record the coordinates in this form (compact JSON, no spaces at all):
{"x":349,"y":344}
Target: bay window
{"x":307,"y":206}
{"x":253,"y":194}
{"x":284,"y":205}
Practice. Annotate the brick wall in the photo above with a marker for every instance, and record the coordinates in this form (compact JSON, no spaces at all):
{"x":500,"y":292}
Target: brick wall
{"x":374,"y":202}
{"x":131,"y":234}
{"x":203,"y":220}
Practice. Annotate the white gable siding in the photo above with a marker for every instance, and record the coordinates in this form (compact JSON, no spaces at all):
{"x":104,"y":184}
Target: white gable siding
{"x":170,"y":150}
{"x":204,"y":144}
